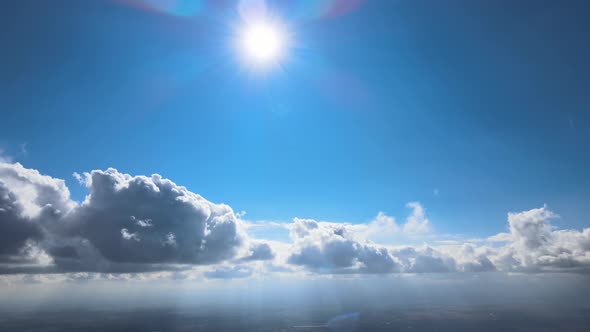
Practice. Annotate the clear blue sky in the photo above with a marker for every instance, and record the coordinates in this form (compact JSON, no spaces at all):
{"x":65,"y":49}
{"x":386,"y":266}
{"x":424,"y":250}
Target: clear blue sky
{"x":485,"y":102}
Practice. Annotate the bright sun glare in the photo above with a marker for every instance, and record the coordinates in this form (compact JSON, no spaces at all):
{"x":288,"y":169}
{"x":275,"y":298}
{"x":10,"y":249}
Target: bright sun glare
{"x":263,"y":42}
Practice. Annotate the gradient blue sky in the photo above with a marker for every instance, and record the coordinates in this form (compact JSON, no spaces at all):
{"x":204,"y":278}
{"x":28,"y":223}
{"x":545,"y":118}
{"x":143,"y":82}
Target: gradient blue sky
{"x":473,"y":108}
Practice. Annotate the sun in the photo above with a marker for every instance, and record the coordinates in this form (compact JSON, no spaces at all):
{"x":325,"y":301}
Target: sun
{"x":263,"y":42}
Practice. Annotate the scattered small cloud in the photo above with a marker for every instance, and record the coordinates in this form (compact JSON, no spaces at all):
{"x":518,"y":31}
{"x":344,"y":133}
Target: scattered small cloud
{"x":142,"y":222}
{"x":129,"y":236}
{"x":23,"y":149}
{"x":81,"y":179}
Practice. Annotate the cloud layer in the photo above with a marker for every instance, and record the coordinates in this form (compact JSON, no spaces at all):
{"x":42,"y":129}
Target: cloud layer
{"x":130,"y":224}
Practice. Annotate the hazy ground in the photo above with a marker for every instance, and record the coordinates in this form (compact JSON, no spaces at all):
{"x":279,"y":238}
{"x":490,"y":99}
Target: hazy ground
{"x":283,"y":319}
{"x":489,"y":303}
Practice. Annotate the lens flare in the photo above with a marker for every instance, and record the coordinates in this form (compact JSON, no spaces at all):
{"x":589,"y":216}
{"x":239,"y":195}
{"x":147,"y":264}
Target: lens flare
{"x":262,"y":42}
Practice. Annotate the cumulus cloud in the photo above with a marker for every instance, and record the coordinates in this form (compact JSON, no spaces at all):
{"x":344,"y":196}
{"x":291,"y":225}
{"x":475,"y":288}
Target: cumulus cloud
{"x":260,"y":251}
{"x":380,"y":228}
{"x":126,"y":222}
{"x":385,"y":229}
{"x":533,"y":244}
{"x":475,"y":259}
{"x":424,"y":260}
{"x":168,"y":223}
{"x":29,"y":203}
{"x":37,"y":194}
{"x":417,"y":221}
{"x":16,"y":228}
{"x":330,"y":248}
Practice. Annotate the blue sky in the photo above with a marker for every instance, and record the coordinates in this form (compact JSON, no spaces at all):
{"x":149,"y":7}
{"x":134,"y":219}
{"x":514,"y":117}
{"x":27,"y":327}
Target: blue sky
{"x":472,"y":108}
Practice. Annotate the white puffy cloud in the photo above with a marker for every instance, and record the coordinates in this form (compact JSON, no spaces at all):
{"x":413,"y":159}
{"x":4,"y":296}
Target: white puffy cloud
{"x":424,"y":260}
{"x":127,"y":223}
{"x":29,"y":203}
{"x":380,"y":229}
{"x":471,"y":258}
{"x":168,"y":223}
{"x":385,"y":229}
{"x":36,"y":193}
{"x":259,"y":251}
{"x":331,"y":248}
{"x":533,"y":244}
{"x":417,"y":221}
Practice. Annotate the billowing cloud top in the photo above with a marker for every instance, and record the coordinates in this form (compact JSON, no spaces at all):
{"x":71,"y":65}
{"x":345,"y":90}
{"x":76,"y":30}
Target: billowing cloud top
{"x":141,"y":224}
{"x":126,"y":223}
{"x":326,"y":247}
